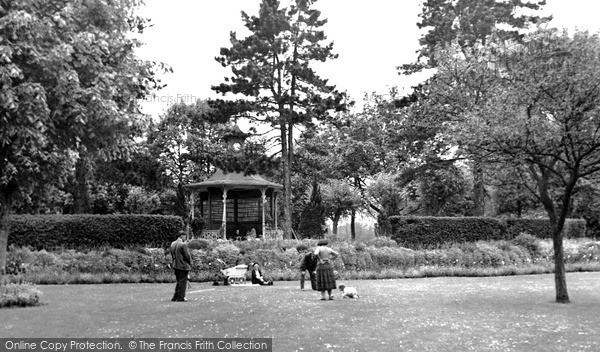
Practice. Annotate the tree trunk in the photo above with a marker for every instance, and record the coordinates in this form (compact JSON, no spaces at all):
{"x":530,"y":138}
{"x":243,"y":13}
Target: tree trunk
{"x":81,"y":200}
{"x":336,"y":221}
{"x":557,"y":222}
{"x":181,"y":207}
{"x":352,"y":226}
{"x":4,"y":231}
{"x":287,"y":192}
{"x":560,"y":278}
{"x":478,"y":189}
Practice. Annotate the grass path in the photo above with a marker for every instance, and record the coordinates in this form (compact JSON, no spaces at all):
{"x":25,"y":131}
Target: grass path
{"x":510,"y":313}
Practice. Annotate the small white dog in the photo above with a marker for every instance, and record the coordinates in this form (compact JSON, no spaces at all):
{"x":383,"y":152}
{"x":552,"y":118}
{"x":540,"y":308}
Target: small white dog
{"x":348,"y":292}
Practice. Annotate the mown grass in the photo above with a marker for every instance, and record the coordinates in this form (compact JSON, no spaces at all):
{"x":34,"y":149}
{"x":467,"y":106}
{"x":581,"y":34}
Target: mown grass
{"x":508,"y":313}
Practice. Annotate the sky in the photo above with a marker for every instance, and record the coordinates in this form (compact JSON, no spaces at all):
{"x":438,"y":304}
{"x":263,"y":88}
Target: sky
{"x":371,"y":38}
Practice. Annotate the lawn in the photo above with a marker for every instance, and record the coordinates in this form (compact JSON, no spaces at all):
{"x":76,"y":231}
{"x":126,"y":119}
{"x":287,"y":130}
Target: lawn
{"x":509,"y":313}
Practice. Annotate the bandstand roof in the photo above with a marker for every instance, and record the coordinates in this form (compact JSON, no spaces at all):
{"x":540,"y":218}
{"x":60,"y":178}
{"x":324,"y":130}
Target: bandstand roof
{"x":234,"y":180}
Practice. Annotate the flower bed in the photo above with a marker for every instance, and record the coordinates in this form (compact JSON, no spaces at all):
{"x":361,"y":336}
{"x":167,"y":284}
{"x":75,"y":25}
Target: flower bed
{"x":280,"y":259}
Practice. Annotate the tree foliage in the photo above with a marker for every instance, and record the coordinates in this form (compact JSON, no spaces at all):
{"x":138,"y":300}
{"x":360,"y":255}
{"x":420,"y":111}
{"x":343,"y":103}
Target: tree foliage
{"x":339,"y":200}
{"x":542,"y":118}
{"x":468,"y":23}
{"x":463,"y":26}
{"x":69,"y":82}
{"x":272,"y":68}
{"x":312,"y":219}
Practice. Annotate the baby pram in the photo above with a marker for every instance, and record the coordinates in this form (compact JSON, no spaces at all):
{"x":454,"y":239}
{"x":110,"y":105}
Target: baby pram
{"x":236,"y":275}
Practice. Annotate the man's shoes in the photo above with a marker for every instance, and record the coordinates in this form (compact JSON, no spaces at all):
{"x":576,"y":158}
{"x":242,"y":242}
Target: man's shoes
{"x":181,"y":300}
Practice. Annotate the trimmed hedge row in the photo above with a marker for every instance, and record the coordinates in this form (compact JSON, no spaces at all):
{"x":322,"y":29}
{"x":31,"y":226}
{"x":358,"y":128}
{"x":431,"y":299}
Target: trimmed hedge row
{"x":540,"y":228}
{"x":92,"y":231}
{"x":425,"y":231}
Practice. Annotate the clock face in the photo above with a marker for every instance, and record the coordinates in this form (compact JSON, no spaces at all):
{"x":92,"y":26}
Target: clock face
{"x":237,"y":146}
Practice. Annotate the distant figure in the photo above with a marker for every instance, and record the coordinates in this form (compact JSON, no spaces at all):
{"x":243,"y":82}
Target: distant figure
{"x":309,"y":262}
{"x":348,"y":292}
{"x":325,"y":275}
{"x":257,"y":277}
{"x":182,"y":264}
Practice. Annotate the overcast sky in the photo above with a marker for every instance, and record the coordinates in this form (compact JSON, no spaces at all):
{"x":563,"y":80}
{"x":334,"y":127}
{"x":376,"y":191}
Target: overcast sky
{"x":371,"y":38}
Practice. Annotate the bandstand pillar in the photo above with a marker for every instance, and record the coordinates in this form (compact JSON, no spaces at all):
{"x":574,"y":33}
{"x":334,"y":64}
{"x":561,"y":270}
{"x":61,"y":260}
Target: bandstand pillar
{"x":224,"y":219}
{"x":263,"y":201}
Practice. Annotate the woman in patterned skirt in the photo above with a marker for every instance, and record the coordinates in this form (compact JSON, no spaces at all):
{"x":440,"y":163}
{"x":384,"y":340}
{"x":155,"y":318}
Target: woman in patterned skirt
{"x":325,"y":275}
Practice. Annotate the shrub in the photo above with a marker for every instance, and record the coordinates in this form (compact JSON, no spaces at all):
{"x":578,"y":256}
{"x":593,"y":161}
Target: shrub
{"x":302,"y":247}
{"x":432,"y":231}
{"x":540,"y":228}
{"x":423,"y":232}
{"x":228,"y":253}
{"x":19,"y":295}
{"x":280,"y":259}
{"x":575,"y":228}
{"x":197,"y":225}
{"x":92,"y":231}
{"x":381,"y":241}
{"x":360,"y":247}
{"x":528,"y":242}
{"x":199,"y":243}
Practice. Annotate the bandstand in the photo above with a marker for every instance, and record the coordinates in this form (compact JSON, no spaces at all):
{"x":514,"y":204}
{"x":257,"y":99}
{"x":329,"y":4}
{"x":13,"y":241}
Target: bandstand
{"x":234,"y":205}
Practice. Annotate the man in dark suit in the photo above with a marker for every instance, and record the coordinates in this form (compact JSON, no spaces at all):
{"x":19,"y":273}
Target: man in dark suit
{"x":309,"y":262}
{"x":182,"y":264}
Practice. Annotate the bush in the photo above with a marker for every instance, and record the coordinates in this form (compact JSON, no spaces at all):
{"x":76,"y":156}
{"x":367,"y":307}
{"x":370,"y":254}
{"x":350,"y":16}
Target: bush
{"x":418,"y":232}
{"x":539,"y":228}
{"x":575,"y":228}
{"x":21,"y":295}
{"x":93,"y":231}
{"x":432,"y":231}
{"x":228,"y":253}
{"x":381,"y":241}
{"x":281,"y":260}
{"x":197,"y":225}
{"x":301,"y":247}
{"x":199,"y":243}
{"x":528,"y":242}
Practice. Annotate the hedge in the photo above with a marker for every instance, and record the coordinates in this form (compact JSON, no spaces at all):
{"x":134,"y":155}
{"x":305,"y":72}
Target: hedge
{"x":91,"y":231}
{"x":410,"y":231}
{"x":425,"y":231}
{"x":540,"y":228}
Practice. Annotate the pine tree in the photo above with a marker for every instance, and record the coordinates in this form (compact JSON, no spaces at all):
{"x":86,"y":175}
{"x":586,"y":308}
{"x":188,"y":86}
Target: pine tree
{"x":312,"y":221}
{"x":272,"y":68}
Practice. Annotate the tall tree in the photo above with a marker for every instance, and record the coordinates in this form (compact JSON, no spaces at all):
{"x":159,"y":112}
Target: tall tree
{"x":312,"y":219}
{"x":467,"y":24}
{"x":69,"y":82}
{"x":339,"y":200}
{"x":187,"y":144}
{"x":544,"y":118}
{"x":442,"y":191}
{"x":272,"y":68}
